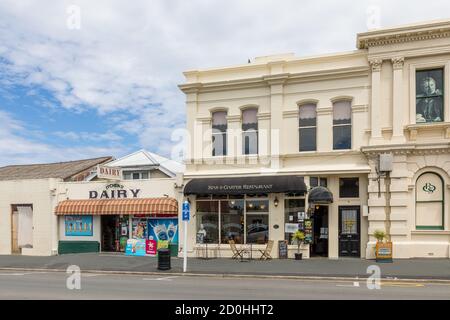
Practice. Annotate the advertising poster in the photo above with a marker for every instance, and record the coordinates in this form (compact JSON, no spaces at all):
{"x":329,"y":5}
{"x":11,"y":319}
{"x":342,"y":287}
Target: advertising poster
{"x":163,"y":230}
{"x":139,"y":228}
{"x":78,"y":226}
{"x":151,"y":248}
{"x":308,"y":231}
{"x":135,"y":247}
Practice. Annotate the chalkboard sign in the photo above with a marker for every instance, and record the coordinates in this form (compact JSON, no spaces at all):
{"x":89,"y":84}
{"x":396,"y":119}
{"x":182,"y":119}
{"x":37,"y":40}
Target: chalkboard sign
{"x":282,"y":249}
{"x":384,"y":251}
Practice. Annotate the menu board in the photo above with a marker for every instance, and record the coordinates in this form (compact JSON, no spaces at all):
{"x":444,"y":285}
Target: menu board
{"x":384,"y":251}
{"x":282,"y":249}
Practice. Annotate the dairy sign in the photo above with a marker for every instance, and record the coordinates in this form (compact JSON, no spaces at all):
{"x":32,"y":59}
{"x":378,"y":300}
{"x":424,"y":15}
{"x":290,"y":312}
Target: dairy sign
{"x":109,"y":173}
{"x":114,"y":191}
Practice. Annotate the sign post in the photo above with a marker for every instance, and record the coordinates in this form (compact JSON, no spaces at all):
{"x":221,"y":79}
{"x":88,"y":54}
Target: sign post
{"x":186,"y":218}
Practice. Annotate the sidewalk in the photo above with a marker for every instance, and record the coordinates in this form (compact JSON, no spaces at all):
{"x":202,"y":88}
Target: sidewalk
{"x":349,"y":268}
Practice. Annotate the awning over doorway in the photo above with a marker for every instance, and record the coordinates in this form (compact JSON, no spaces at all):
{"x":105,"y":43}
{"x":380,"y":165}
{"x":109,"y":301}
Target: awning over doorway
{"x":146,"y":206}
{"x":320,"y":195}
{"x":246,"y":185}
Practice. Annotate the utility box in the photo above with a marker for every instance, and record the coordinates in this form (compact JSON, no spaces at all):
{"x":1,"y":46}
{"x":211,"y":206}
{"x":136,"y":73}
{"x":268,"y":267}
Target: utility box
{"x":385,"y":162}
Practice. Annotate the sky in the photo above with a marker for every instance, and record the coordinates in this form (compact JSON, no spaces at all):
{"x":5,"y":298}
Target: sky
{"x":82,"y":79}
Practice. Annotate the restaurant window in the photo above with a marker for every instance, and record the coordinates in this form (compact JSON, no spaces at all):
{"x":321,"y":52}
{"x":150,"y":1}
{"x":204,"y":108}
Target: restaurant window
{"x":317,"y":181}
{"x":349,"y":187}
{"x":232,"y":221}
{"x":250,"y":131}
{"x":342,"y":125}
{"x":241,"y":220}
{"x":257,"y":221}
{"x":430,"y":202}
{"x":219,"y":133}
{"x":208,"y":221}
{"x":294,"y":213}
{"x":430,"y":96}
{"x":307,"y":127}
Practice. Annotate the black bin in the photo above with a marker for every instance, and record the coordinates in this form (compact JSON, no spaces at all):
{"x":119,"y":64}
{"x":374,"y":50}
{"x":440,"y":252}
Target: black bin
{"x":164,"y":259}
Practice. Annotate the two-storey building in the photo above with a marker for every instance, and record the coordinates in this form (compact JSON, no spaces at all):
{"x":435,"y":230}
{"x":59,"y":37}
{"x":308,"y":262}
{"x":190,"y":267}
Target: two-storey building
{"x":285,"y":143}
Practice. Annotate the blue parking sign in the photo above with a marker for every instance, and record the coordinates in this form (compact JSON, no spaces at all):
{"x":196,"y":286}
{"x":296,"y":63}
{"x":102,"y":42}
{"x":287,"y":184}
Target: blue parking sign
{"x":186,"y":211}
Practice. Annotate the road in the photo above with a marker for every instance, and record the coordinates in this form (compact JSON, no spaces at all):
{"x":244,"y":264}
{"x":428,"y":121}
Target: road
{"x":52,"y":285}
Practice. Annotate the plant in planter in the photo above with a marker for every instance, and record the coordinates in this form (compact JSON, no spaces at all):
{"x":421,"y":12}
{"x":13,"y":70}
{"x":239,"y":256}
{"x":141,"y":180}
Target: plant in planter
{"x":380,"y":235}
{"x":299,"y":238}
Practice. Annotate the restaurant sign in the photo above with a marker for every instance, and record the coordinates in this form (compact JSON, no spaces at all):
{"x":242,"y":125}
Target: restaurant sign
{"x":109,"y":173}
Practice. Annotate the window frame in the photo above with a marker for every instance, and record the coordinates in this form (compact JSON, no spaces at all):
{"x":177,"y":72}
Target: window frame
{"x":444,"y":89}
{"x":341,"y":125}
{"x":300,"y":127}
{"x":431,"y":228}
{"x":244,"y":131}
{"x":219,"y":215}
{"x":359,"y":185}
{"x":219,"y":133}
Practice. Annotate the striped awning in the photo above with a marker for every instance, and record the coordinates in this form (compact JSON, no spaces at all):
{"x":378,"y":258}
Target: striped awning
{"x":147,"y":206}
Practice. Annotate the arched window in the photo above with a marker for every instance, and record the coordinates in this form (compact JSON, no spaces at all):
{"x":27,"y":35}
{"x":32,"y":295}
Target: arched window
{"x":219,"y":133}
{"x":250,"y":131}
{"x":342,"y":125}
{"x":430,"y":202}
{"x":307,"y":127}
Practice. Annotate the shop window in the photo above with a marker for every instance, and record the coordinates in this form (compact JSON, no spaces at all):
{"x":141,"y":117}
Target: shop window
{"x":307,"y":127}
{"x":317,"y":181}
{"x":219,"y":133}
{"x":257,"y":221}
{"x":294,"y":213}
{"x":207,"y":221}
{"x":232,"y":221}
{"x":342,"y":125}
{"x":349,"y":187}
{"x":430,"y":202}
{"x":430,"y":96}
{"x":250,"y":131}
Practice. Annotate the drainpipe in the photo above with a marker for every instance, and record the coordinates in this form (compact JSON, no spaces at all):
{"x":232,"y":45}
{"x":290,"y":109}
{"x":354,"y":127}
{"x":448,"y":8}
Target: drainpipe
{"x":387,"y":181}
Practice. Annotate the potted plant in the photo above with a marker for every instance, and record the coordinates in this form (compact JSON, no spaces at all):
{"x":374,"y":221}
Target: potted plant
{"x":299,"y":237}
{"x":379,"y":235}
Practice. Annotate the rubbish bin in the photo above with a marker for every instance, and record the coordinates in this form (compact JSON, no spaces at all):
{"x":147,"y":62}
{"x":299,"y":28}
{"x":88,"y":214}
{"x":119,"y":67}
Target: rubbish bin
{"x":164,"y":259}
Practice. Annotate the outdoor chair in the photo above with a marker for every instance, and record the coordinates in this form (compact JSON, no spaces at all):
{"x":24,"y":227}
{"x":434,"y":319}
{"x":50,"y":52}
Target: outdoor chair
{"x":236,"y":252}
{"x":265,"y":254}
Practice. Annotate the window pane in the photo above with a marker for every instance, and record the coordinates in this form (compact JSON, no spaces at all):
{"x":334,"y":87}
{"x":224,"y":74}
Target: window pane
{"x":136,"y":176}
{"x":307,"y":139}
{"x":349,"y":222}
{"x":292,"y":208}
{"x":323,"y":182}
{"x":219,"y":118}
{"x":208,"y":221}
{"x":429,"y":96}
{"x":349,"y":188}
{"x":257,"y":228}
{"x":342,"y":112}
{"x":250,"y":116}
{"x":313,"y":182}
{"x":232,"y":221}
{"x":307,"y":115}
{"x":429,"y":214}
{"x":342,"y":137}
{"x":144,"y":175}
{"x":219,"y":144}
{"x":127,"y":175}
{"x":257,"y":206}
{"x":250,"y":142}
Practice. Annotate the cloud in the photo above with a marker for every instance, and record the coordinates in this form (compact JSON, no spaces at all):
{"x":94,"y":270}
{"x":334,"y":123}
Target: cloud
{"x":128,"y":57}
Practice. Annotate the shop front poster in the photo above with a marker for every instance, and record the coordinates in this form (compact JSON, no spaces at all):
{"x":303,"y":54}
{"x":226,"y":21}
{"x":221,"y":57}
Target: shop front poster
{"x":79,"y":226}
{"x":135,"y":247}
{"x":163,"y":230}
{"x":151,"y":247}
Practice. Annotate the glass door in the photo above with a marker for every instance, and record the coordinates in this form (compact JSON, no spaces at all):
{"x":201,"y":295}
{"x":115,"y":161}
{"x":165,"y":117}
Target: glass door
{"x":349,"y":232}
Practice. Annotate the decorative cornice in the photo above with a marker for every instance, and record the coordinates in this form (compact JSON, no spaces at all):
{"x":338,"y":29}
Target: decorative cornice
{"x":360,"y":108}
{"x":376,"y":64}
{"x":398,"y":63}
{"x":205,"y":120}
{"x":234,"y":118}
{"x":421,"y":32}
{"x":290,"y":114}
{"x":408,"y":149}
{"x":324,"y":111}
{"x":264,"y":116}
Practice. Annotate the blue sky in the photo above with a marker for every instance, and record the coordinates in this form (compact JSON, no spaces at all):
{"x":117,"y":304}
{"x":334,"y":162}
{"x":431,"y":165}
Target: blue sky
{"x":109,"y":87}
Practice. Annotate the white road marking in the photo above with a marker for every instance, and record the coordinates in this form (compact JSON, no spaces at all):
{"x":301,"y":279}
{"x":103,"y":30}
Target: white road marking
{"x":160,"y":279}
{"x":12,"y":274}
{"x":354,"y":285}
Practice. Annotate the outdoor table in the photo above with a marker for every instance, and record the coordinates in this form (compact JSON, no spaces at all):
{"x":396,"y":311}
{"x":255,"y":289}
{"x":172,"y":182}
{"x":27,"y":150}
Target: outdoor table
{"x":247,"y":249}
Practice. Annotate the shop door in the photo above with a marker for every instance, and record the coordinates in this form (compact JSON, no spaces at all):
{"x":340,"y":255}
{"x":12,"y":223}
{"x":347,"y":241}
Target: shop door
{"x":349,"y":232}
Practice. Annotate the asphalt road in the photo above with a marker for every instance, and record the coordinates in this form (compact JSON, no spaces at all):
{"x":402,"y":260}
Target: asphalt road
{"x":52,"y":285}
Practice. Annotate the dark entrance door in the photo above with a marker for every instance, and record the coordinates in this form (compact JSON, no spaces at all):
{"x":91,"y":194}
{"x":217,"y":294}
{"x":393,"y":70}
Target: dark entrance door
{"x":109,"y":233}
{"x":349,"y":231}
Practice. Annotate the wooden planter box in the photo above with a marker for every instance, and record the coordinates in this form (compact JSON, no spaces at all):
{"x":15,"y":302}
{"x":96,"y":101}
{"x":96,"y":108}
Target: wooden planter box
{"x":383,"y":251}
